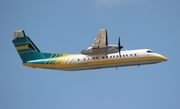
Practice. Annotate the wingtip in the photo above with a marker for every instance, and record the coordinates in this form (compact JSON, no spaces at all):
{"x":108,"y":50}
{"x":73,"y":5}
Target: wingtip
{"x":103,"y":30}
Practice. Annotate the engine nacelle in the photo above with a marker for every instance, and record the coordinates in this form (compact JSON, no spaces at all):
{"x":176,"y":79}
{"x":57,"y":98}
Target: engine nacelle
{"x":107,"y":50}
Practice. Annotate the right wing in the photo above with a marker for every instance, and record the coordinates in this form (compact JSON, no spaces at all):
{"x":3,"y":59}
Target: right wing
{"x":101,"y":40}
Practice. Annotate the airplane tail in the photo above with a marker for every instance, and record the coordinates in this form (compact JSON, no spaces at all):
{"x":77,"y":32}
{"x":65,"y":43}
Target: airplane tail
{"x":25,"y":47}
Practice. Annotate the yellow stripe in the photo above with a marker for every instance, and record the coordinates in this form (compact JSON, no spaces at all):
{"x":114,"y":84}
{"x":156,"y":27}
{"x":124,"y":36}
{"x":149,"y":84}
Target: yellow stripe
{"x":64,"y":55}
{"x":22,"y":47}
{"x":58,"y":61}
{"x":57,"y":66}
{"x":64,"y":58}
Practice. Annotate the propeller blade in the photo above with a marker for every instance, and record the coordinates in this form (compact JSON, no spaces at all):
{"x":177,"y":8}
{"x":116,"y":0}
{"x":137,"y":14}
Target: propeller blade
{"x":119,"y":46}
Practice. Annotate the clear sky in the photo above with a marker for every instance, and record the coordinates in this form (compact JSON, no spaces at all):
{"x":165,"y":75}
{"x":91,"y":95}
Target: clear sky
{"x":64,"y":26}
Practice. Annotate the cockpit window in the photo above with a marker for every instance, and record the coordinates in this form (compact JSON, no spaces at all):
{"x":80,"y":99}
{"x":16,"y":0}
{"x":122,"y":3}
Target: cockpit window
{"x":149,"y":51}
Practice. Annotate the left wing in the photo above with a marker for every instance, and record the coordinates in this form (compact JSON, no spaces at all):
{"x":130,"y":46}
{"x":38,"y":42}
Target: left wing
{"x":101,"y":40}
{"x":100,"y":45}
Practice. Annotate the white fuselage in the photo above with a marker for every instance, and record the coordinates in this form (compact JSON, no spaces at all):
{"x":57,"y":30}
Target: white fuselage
{"x":99,"y":55}
{"x":126,"y":58}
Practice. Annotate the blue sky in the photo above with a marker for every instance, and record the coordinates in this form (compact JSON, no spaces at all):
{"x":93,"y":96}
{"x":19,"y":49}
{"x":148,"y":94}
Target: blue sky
{"x":71,"y":26}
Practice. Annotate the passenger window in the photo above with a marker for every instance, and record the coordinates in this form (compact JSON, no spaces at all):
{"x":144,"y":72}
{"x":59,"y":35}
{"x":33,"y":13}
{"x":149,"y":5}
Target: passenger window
{"x":117,"y":56}
{"x":131,"y":54}
{"x":93,"y":57}
{"x":78,"y":59}
{"x":84,"y":59}
{"x":123,"y":55}
{"x":126,"y":55}
{"x":113,"y":56}
{"x":110,"y":56}
{"x":103,"y":57}
{"x":96,"y":57}
{"x":106,"y":56}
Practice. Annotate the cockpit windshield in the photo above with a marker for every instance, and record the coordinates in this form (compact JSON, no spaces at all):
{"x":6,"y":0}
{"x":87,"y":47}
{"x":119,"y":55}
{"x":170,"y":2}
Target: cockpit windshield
{"x":150,"y":51}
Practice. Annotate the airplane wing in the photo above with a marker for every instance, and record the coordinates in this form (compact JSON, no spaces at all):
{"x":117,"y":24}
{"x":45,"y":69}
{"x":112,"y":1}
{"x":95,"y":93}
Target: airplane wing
{"x":100,"y":45}
{"x":101,"y":40}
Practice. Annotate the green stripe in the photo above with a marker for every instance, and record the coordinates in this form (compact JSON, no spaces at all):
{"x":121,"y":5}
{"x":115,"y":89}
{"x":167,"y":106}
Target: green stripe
{"x":51,"y":58}
{"x":59,"y":55}
{"x":21,"y":44}
{"x":48,"y":61}
{"x":55,"y":57}
{"x":21,"y":40}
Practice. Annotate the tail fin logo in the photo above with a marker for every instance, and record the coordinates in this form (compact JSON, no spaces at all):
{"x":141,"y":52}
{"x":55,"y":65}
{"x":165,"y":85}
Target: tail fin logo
{"x":25,"y":47}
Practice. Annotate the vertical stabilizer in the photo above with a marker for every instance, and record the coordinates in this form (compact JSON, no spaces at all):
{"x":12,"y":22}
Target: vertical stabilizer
{"x":25,"y":47}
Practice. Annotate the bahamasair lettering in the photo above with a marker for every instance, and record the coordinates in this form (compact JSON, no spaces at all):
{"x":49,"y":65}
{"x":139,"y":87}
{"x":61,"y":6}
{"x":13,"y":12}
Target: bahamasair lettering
{"x":99,"y":55}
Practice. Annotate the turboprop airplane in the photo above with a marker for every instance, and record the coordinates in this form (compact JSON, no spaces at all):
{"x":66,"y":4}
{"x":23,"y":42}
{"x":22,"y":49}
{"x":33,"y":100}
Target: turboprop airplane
{"x":99,"y":55}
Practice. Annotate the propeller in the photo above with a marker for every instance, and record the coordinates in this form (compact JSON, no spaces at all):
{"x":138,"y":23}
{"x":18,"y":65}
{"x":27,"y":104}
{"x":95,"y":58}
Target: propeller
{"x":119,"y":47}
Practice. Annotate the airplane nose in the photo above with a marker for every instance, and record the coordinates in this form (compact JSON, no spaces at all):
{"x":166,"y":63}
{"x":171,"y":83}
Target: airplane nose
{"x":163,"y":58}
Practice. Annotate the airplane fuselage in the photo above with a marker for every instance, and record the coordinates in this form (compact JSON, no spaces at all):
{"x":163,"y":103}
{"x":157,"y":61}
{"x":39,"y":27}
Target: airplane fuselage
{"x":99,"y":55}
{"x":89,"y":62}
